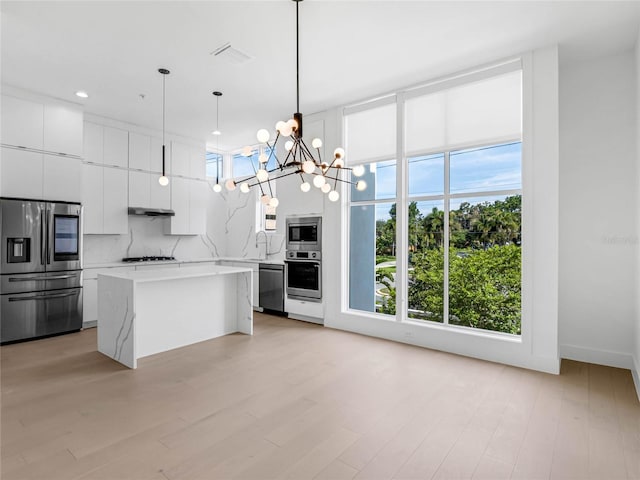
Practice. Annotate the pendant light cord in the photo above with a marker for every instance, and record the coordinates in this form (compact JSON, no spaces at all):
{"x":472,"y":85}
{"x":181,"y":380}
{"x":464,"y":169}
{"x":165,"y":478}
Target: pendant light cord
{"x":297,"y":61}
{"x":163,"y":101}
{"x":217,"y":139}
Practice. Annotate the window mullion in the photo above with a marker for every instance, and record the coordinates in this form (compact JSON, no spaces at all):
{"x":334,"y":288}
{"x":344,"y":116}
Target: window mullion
{"x":445,"y":243}
{"x":402,"y":230}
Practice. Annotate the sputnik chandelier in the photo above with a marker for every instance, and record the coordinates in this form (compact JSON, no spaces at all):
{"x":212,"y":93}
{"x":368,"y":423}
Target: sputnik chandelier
{"x":299,"y":158}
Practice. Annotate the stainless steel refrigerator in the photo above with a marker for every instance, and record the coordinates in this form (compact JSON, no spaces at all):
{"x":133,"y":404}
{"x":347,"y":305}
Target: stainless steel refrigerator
{"x":41,"y":275}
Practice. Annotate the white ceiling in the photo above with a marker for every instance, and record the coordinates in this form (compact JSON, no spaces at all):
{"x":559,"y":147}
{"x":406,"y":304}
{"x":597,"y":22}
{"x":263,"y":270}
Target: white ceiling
{"x":350,"y":50}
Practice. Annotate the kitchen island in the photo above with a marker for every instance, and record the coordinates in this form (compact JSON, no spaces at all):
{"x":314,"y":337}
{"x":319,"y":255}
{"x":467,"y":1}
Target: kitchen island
{"x":141,"y":313}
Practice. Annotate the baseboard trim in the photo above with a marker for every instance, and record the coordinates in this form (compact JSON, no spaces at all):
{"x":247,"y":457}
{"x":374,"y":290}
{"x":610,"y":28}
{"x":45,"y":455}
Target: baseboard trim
{"x":635,"y":372}
{"x":599,"y":357}
{"x":90,"y":324}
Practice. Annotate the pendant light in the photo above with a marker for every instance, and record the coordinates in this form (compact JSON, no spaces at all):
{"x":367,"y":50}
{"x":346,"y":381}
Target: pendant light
{"x":163,"y":180}
{"x":217,"y":187}
{"x":300,"y":160}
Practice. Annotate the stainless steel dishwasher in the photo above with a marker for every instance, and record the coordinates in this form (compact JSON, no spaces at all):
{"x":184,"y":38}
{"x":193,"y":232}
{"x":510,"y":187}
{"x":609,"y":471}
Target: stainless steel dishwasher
{"x":272,"y":287}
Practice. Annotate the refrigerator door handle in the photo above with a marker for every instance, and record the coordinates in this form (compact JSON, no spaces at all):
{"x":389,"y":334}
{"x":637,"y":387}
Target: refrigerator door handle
{"x":43,"y":239}
{"x":41,"y":297}
{"x":30,"y":279}
{"x":49,"y":236}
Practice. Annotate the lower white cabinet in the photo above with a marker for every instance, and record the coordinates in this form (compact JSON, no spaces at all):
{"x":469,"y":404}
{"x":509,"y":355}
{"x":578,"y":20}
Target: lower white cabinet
{"x":29,"y":174}
{"x":304,"y":310}
{"x":104,"y":196}
{"x":189,"y":202}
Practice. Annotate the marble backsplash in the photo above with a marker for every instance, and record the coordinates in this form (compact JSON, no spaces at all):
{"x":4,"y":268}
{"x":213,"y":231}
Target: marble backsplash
{"x":231,"y":232}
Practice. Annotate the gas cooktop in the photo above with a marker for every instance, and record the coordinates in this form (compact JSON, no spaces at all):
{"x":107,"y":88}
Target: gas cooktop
{"x":147,"y":259}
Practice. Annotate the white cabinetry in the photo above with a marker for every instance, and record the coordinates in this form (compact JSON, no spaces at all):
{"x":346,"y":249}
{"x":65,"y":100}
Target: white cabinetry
{"x":62,"y":178}
{"x":188,"y":201}
{"x":63,"y":129}
{"x":42,"y":146}
{"x":145,"y":153}
{"x":22,"y":173}
{"x":104,"y":196}
{"x":116,"y":216}
{"x":197,"y":163}
{"x":106,"y":145}
{"x":22,"y":122}
{"x":187,"y":161}
{"x":30,"y":174}
{"x":180,"y":159}
{"x":304,"y":310}
{"x":52,"y":127}
{"x":146,"y":192}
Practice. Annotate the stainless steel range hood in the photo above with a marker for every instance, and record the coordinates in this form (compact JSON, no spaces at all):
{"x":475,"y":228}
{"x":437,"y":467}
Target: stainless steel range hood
{"x":151,"y":212}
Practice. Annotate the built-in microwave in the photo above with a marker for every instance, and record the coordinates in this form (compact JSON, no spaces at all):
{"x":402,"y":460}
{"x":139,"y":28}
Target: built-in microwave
{"x":304,"y":234}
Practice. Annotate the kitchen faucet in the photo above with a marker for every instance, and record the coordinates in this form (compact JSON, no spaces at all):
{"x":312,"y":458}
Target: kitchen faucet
{"x":266,"y":240}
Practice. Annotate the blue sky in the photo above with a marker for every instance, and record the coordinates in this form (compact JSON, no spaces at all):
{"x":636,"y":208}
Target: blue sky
{"x":472,"y":170}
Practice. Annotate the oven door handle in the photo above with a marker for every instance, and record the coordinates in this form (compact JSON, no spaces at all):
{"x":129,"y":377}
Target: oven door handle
{"x":301,"y":260}
{"x":42,"y":297}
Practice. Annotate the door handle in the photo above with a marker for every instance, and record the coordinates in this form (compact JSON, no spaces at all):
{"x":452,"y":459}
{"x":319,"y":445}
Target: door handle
{"x":42,"y":297}
{"x":43,"y":240}
{"x":29,"y":279}
{"x":49,"y":234}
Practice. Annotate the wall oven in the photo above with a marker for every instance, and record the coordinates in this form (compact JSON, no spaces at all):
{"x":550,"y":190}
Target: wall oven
{"x":304,"y":276}
{"x":304,"y":234}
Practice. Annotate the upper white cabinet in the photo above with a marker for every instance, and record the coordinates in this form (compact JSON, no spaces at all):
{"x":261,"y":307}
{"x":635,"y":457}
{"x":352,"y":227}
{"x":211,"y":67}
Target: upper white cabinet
{"x":51,"y":127}
{"x":93,"y":143}
{"x":22,"y":122}
{"x":146,"y":192}
{"x":22,"y":173}
{"x":62,"y":178}
{"x":197,"y":163}
{"x":187,"y":161}
{"x":116,"y":147}
{"x":106,"y":145}
{"x":145,"y":153}
{"x":180,"y":159}
{"x":63,"y":129}
{"x":139,"y":151}
{"x":41,"y":176}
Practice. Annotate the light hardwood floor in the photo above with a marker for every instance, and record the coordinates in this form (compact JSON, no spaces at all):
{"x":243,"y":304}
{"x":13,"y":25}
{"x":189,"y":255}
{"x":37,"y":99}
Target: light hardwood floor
{"x":300,"y":401}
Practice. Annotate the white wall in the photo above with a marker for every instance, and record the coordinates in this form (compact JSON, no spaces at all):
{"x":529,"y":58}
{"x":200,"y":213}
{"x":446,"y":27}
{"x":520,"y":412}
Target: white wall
{"x":537,"y":348}
{"x":598,"y":211}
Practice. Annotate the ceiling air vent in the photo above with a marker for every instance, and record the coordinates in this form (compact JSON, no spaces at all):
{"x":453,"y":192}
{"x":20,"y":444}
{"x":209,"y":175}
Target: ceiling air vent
{"x":231,"y":55}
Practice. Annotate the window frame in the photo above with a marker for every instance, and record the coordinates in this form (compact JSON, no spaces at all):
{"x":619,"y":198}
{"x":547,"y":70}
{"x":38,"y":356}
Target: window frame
{"x":403,"y":199}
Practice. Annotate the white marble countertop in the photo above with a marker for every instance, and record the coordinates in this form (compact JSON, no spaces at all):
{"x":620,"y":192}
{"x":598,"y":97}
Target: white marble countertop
{"x":161,"y":274}
{"x":177,"y":262}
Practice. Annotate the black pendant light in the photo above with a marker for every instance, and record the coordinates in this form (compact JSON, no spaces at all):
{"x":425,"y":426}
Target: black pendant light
{"x":217,"y":187}
{"x":163,"y":180}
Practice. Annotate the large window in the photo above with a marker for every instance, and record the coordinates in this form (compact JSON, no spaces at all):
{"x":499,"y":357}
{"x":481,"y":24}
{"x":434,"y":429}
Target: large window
{"x":454,"y":255}
{"x":373,"y":240}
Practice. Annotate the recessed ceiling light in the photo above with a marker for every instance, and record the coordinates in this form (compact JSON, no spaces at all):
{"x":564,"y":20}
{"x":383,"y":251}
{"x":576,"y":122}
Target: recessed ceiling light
{"x":82,"y":94}
{"x":216,"y":132}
